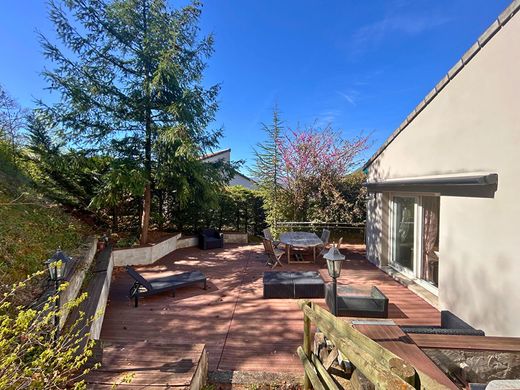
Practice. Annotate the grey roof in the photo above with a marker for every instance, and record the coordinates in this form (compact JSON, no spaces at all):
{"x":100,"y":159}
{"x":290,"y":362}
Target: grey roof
{"x":500,"y":22}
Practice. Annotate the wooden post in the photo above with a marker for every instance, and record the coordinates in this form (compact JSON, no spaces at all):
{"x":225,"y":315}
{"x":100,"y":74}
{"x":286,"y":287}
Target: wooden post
{"x":307,"y":342}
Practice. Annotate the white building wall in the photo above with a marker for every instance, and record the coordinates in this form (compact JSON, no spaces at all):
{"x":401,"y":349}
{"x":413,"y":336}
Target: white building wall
{"x":472,"y":125}
{"x":238,"y":179}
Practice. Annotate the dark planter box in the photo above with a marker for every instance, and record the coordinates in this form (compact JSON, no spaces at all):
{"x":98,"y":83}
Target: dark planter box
{"x":358,"y":301}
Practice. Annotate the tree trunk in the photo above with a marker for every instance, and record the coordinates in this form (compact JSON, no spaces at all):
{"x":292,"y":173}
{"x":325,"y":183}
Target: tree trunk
{"x":114,"y":218}
{"x":145,"y":216}
{"x":161,"y":206}
{"x":147,"y":199}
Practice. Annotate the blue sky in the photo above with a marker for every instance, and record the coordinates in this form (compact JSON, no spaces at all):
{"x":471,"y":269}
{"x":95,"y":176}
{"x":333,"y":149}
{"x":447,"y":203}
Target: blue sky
{"x":360,"y":66}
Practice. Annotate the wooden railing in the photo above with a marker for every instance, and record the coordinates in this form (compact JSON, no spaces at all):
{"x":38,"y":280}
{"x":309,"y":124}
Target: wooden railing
{"x":380,"y":366}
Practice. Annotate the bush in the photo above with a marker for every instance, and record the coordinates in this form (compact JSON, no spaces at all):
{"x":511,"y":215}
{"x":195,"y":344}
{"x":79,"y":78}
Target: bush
{"x":33,"y":355}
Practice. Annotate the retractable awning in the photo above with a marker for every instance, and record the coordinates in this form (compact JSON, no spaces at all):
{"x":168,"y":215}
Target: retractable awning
{"x":480,"y":186}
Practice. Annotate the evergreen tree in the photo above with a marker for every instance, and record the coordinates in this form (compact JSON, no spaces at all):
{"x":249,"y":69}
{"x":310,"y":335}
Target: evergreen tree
{"x":266,"y":170}
{"x":130,"y":76}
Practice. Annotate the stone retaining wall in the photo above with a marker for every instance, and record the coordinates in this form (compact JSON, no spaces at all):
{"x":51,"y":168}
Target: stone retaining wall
{"x":476,"y":366}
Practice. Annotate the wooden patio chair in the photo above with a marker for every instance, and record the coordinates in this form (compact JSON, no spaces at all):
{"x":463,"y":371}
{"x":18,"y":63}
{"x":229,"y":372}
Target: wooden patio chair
{"x":325,"y":237}
{"x":269,"y":236}
{"x":338,"y":245}
{"x":145,"y":287}
{"x":273,"y":254}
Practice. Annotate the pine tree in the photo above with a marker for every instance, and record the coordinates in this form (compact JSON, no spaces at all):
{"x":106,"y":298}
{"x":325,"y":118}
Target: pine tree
{"x":267,"y":168}
{"x":129,"y":73}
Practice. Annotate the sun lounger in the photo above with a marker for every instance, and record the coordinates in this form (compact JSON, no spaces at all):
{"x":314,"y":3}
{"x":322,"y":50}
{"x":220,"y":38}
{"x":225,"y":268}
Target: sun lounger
{"x":143,"y":287}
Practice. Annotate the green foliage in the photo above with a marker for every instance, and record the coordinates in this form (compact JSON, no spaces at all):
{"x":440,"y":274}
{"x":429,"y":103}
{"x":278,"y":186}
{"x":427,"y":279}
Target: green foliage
{"x":31,"y":227}
{"x":267,"y":169}
{"x":33,"y":355}
{"x":240,"y":209}
{"x":232,"y":208}
{"x":67,"y":176}
{"x":130,"y":78}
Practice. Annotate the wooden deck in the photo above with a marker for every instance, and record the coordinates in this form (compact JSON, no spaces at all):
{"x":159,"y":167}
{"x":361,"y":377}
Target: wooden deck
{"x":136,"y":365}
{"x":241,"y":330}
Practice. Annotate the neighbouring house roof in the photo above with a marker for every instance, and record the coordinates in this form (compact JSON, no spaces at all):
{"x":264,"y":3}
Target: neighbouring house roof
{"x":216,"y":153}
{"x":500,"y":22}
{"x":245,"y":177}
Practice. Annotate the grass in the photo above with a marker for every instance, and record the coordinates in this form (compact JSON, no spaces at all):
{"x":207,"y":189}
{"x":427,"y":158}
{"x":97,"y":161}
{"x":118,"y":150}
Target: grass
{"x":31,"y":228}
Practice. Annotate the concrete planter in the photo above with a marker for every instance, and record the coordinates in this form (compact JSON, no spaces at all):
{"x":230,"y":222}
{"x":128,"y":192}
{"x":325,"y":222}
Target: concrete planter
{"x":235,"y":238}
{"x":146,"y":254}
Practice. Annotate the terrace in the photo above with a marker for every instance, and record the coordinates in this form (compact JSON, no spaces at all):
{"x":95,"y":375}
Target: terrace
{"x":241,"y":330}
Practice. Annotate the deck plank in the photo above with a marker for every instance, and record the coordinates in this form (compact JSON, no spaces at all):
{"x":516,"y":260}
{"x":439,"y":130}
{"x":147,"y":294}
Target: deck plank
{"x":475,"y":343}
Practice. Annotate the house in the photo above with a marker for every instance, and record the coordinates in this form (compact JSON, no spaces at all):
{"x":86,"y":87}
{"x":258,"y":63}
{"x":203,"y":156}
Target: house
{"x":238,"y":179}
{"x":444,"y":189}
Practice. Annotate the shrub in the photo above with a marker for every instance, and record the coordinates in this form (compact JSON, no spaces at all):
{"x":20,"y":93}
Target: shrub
{"x":34,"y":355}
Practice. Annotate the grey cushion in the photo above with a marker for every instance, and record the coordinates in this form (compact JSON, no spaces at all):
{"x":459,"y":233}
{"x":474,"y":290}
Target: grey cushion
{"x":307,"y":284}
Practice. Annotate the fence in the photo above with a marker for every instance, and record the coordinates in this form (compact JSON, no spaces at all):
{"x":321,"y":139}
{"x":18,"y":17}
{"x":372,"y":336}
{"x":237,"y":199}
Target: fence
{"x":352,"y":233}
{"x":380,"y":366}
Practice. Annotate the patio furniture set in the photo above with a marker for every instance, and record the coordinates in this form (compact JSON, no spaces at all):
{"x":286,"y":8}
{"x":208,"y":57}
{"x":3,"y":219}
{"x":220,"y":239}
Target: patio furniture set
{"x":350,"y":301}
{"x":298,"y":242}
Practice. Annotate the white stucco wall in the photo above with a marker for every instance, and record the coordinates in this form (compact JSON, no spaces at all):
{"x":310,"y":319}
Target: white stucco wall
{"x":472,"y":125}
{"x":146,"y":254}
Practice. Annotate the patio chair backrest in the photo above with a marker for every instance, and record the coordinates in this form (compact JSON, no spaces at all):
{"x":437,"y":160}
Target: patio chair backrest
{"x":267,"y":234}
{"x":138,"y":277}
{"x":210,"y":233}
{"x":325,"y":236}
{"x":268,"y":246}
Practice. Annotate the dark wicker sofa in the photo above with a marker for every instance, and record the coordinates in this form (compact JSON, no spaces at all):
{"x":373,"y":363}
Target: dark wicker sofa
{"x":210,"y":239}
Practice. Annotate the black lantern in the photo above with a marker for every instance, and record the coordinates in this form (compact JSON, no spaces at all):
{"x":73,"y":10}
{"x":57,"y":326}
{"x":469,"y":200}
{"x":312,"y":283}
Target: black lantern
{"x":56,"y":265}
{"x":334,"y":262}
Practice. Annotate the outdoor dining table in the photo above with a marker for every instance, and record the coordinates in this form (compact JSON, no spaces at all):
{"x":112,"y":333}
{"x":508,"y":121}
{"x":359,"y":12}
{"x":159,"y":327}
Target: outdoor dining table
{"x":302,"y":240}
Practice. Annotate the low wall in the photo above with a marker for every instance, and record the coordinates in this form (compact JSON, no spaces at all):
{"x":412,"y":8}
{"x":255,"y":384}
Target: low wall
{"x":146,"y":254}
{"x":151,"y":253}
{"x":235,"y":238}
{"x":87,"y":317}
{"x":76,"y":274}
{"x":97,"y":323}
{"x":186,"y":242}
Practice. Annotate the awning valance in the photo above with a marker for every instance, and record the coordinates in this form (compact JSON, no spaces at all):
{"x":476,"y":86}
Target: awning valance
{"x":480,"y":186}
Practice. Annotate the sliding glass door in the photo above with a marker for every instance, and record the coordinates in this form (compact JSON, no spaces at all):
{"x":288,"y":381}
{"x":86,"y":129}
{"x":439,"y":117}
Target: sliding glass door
{"x":414,"y":237}
{"x":403,"y":246}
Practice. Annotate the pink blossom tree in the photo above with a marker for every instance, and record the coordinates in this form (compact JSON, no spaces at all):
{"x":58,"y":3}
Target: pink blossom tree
{"x":314,"y":162}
